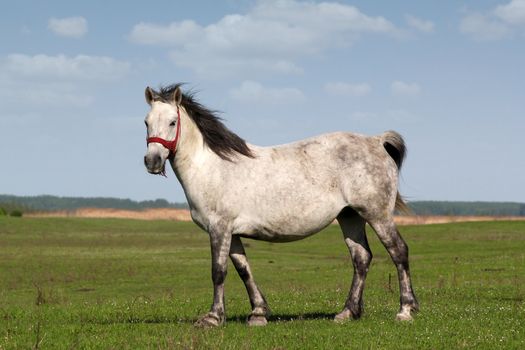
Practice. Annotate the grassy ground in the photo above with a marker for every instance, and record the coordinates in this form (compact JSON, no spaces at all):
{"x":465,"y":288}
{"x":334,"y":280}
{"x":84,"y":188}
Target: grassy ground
{"x":129,"y":284}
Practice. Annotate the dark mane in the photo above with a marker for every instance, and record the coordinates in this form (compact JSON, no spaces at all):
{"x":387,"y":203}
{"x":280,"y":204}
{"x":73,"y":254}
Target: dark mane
{"x":216,"y":136}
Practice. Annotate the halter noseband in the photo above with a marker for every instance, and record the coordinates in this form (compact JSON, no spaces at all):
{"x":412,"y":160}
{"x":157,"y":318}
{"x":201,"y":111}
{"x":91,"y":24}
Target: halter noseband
{"x":170,"y":145}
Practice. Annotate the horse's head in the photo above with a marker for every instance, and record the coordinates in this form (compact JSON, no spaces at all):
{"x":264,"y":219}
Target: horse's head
{"x":163,"y":128}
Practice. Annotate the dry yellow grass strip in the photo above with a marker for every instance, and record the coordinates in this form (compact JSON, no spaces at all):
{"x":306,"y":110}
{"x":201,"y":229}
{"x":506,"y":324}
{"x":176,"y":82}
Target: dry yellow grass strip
{"x":184,"y":215}
{"x":146,"y":214}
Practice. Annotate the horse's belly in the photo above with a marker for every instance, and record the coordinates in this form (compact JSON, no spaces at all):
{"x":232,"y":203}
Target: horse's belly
{"x":284,"y":229}
{"x":268,"y":235}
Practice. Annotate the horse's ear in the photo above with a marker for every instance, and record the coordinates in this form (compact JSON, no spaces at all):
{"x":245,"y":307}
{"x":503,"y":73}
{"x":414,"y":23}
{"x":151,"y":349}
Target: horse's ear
{"x":150,"y":95}
{"x":177,"y":96}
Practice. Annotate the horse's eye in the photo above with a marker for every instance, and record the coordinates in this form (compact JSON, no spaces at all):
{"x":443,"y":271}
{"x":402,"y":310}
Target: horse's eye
{"x":172,"y":123}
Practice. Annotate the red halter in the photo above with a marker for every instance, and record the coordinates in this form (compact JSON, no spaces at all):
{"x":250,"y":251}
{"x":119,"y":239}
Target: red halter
{"x":170,"y":145}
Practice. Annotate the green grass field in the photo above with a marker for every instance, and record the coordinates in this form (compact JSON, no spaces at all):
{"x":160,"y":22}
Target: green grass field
{"x":128,"y":284}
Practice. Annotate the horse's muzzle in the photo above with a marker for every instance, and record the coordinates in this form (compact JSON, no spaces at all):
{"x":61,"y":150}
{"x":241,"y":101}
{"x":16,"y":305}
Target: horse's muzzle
{"x":154,"y":163}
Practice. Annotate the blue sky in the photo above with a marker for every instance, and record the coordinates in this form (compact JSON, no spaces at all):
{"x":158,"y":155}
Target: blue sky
{"x":445,"y":74}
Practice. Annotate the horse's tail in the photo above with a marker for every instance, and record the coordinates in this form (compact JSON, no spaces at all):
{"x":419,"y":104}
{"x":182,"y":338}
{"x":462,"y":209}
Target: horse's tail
{"x":395,"y":147}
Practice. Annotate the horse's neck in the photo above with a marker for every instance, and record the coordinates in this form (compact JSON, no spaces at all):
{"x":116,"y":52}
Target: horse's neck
{"x":190,"y":145}
{"x":192,"y":159}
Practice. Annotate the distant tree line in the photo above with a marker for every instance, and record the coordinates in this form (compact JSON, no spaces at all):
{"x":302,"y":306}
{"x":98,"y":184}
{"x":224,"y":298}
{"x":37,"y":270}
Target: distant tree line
{"x":10,"y":204}
{"x":468,"y":208}
{"x":53,"y":203}
{"x":11,"y":209}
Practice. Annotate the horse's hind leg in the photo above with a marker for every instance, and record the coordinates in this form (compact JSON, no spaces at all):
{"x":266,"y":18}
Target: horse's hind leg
{"x":397,"y":248}
{"x":260,"y":308}
{"x":353,"y":227}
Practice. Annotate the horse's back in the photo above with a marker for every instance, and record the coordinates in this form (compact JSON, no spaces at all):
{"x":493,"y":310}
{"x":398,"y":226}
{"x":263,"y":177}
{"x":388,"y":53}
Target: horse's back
{"x":339,"y":155}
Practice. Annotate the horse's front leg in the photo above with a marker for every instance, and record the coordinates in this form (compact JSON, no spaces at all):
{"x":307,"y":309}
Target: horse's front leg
{"x":220,"y":247}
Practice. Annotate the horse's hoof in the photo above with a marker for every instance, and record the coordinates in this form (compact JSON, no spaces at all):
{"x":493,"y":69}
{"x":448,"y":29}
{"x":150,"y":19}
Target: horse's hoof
{"x":254,"y":320}
{"x":208,"y":321}
{"x":343,"y":316}
{"x":404,"y":316}
{"x":404,"y":313}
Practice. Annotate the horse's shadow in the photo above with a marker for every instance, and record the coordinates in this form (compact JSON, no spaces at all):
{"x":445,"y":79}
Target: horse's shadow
{"x":310,"y":316}
{"x":240,"y":318}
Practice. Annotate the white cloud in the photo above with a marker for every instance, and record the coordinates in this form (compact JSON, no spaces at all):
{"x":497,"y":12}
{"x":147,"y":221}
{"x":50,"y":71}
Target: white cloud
{"x":220,"y":66}
{"x":176,"y":33}
{"x":80,"y":67}
{"x":59,"y":95}
{"x":252,"y":91}
{"x":401,"y":88}
{"x":35,"y":94}
{"x":420,"y":24}
{"x":72,"y":27}
{"x":270,"y":37}
{"x":512,"y":13}
{"x":346,"y":89}
{"x":482,"y":27}
{"x":498,"y":23}
{"x":43,"y":80}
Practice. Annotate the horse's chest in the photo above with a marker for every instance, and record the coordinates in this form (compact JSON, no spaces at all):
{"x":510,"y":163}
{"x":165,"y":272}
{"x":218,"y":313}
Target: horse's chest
{"x":199,"y":219}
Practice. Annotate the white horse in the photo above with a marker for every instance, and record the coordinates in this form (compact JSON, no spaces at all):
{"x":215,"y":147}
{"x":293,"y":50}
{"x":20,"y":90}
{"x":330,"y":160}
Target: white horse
{"x":279,"y":194}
